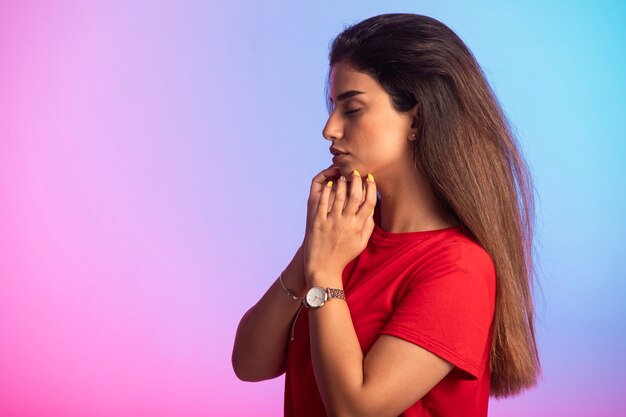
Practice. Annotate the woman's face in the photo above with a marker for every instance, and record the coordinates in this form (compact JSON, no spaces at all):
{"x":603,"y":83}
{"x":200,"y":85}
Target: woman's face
{"x":364,"y":124}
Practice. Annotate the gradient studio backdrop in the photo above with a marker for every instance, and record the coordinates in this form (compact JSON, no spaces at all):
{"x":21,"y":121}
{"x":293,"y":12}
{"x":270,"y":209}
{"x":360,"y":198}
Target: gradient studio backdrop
{"x":155,"y":159}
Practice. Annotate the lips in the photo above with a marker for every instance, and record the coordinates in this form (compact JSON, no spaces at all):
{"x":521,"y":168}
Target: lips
{"x":338,"y":157}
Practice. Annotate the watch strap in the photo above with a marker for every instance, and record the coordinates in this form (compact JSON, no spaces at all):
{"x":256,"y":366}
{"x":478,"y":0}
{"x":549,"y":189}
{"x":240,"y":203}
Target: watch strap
{"x":336,"y":293}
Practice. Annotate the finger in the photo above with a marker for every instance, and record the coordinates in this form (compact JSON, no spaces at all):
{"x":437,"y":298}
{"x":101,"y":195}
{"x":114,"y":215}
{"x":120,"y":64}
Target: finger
{"x":355,"y":194}
{"x":340,"y":197}
{"x":363,"y":195}
{"x":331,"y":198}
{"x":322,"y":208}
{"x":367,"y":208}
{"x":323,"y":177}
{"x":318,"y":182}
{"x":368,"y":228}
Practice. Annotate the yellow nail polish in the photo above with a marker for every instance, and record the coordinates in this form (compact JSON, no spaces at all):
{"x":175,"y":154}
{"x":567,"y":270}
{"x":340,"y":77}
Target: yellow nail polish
{"x":356,"y":172}
{"x":370,"y":177}
{"x":372,"y":212}
{"x":329,"y":183}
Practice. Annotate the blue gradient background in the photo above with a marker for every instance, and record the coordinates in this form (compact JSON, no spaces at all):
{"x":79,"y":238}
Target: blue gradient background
{"x":155,"y":159}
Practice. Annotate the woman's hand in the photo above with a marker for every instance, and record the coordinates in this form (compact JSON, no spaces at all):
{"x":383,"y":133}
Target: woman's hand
{"x":317,"y":186}
{"x":339,"y":232}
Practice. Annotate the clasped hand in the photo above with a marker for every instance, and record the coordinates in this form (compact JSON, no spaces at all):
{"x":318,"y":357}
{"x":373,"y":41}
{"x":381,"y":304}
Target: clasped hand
{"x":339,"y":224}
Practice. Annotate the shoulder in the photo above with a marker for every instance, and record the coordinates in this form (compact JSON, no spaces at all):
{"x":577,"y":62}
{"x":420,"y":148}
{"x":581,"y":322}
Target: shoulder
{"x":453,"y":253}
{"x":471,"y":255}
{"x":454,"y":245}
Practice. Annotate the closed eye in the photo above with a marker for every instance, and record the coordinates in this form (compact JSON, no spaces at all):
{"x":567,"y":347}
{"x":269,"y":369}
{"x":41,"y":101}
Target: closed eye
{"x":352,"y":111}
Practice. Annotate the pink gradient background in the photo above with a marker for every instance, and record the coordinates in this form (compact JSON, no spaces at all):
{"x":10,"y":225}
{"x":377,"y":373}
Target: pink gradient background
{"x":155,"y":159}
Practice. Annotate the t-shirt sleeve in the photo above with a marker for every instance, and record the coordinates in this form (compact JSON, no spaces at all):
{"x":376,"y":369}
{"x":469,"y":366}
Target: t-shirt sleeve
{"x":447,"y":308}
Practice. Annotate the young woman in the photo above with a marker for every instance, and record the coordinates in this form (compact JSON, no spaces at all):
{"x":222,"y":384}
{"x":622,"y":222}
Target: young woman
{"x":415,"y":272}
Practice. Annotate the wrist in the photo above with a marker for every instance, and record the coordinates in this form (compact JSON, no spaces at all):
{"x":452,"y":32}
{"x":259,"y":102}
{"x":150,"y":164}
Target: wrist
{"x":317,"y":296}
{"x":325,"y":279}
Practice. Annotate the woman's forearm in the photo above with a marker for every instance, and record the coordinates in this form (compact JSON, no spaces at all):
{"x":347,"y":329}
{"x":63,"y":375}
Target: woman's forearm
{"x":336,"y":354}
{"x":260,"y":346}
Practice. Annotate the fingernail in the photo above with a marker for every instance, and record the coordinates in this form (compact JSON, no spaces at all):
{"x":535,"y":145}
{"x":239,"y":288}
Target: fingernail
{"x":342,"y":178}
{"x":370,"y":177}
{"x":329,"y":183}
{"x":372,"y":212}
{"x":356,"y":172}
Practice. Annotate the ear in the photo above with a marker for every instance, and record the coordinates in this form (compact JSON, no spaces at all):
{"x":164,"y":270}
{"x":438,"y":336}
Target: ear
{"x":416,"y":122}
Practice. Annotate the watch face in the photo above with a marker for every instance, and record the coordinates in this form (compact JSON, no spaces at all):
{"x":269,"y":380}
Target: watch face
{"x":316,"y":297}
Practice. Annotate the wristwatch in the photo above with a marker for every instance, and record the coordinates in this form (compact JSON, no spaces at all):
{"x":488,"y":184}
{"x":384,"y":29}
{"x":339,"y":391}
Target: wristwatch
{"x":316,"y":297}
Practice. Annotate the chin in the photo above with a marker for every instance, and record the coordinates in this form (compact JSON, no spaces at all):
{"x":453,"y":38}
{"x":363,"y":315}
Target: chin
{"x":346,"y":170}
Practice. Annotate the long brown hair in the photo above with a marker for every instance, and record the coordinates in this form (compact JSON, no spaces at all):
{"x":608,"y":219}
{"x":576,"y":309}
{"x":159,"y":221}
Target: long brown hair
{"x":466,"y":149}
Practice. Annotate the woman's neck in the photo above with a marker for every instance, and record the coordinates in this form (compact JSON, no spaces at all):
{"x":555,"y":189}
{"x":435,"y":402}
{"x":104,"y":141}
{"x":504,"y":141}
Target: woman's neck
{"x":407,"y":204}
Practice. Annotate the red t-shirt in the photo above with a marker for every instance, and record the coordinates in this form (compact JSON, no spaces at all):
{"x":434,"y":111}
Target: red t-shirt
{"x":433,"y":288}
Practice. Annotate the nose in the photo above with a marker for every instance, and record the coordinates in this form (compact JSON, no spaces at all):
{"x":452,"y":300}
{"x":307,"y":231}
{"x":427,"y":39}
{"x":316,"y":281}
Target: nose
{"x":332,"y":130}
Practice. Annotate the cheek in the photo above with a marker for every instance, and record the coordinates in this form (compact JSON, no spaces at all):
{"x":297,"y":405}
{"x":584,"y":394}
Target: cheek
{"x":384,"y":153}
{"x":385,"y":140}
{"x":380,"y":139}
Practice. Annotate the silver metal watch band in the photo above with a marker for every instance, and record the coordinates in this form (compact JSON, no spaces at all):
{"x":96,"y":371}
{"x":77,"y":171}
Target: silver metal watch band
{"x":336,"y":293}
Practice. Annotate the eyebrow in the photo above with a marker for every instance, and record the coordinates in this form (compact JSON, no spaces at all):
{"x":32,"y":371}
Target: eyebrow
{"x":346,"y":95}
